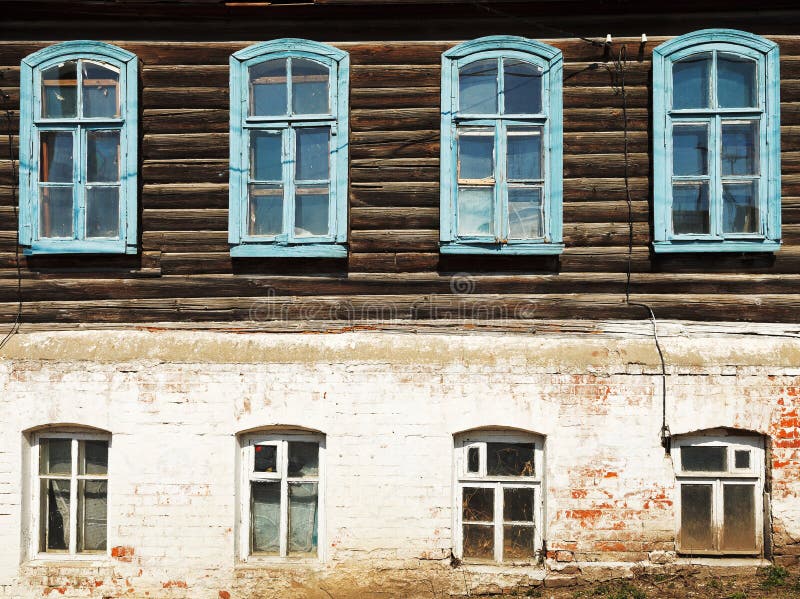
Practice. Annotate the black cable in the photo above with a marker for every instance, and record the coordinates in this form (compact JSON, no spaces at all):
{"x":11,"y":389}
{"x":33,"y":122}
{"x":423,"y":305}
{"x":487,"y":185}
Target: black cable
{"x":9,"y":129}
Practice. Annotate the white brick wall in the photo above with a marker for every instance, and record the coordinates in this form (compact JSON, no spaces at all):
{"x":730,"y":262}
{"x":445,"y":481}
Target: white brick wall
{"x":389,"y":405}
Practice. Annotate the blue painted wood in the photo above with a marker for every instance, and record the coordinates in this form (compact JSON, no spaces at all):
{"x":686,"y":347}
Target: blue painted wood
{"x":765,"y":53}
{"x":286,"y":244}
{"x":31,"y":122}
{"x":550,"y":60}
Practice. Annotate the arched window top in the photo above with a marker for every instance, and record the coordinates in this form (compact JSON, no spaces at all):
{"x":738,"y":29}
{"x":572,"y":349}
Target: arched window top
{"x":691,"y":41}
{"x":501,"y":150}
{"x":716,"y":143}
{"x":289,"y":127}
{"x":78,"y":149}
{"x":78,"y":48}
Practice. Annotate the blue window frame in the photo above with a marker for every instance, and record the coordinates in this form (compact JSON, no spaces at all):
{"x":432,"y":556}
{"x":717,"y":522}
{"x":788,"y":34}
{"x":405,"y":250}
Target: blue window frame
{"x":289,"y":130}
{"x":716,"y":148}
{"x":78,"y":149}
{"x":501,"y":154}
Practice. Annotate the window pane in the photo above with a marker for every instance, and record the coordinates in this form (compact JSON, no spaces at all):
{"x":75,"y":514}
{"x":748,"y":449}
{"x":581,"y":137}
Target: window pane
{"x":739,"y":518}
{"x":313,"y":150}
{"x":704,"y":459}
{"x":510,"y":459}
{"x":522,"y":87}
{"x":59,"y":91}
{"x":102,"y":212}
{"x":476,"y":155}
{"x":311,"y":210}
{"x":690,"y":150}
{"x":303,"y":459}
{"x":92,"y":511}
{"x":302,"y":517}
{"x":473,"y":460}
{"x":478,"y":541}
{"x":736,"y":81}
{"x":742,"y":458}
{"x":525,"y":213}
{"x":696,"y":530}
{"x":475,"y":210}
{"x":266,"y":209}
{"x":55,"y":212}
{"x":266,"y":458}
{"x":690,"y":208}
{"x":739,"y":149}
{"x":690,"y":78}
{"x":309,"y":87}
{"x":100,"y":90}
{"x":55,"y":515}
{"x":56,"y":157}
{"x":525,"y":153}
{"x":265,"y":156}
{"x":477,"y":504}
{"x":55,"y":456}
{"x":518,"y":505}
{"x":739,"y":208}
{"x":518,"y":542}
{"x":265,"y":516}
{"x":268,"y":89}
{"x":102,"y":156}
{"x":93,"y":457}
{"x":477,"y":87}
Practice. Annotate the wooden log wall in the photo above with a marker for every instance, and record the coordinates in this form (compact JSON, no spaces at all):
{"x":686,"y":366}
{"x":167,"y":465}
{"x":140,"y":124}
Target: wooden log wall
{"x":394,"y":269}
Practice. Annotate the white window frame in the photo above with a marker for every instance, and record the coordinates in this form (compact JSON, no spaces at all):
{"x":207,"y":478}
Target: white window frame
{"x":35,"y":513}
{"x":247,"y":475}
{"x":754,"y":475}
{"x":463,"y":478}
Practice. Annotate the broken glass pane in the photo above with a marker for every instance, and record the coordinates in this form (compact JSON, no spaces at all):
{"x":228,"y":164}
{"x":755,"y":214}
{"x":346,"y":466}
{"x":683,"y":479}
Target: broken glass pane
{"x":473,"y":460}
{"x":523,"y":87}
{"x":92,"y":515}
{"x":478,"y":541}
{"x":93,"y":457}
{"x":55,"y":512}
{"x":265,"y":516}
{"x":518,"y":504}
{"x":739,"y":518}
{"x":510,"y":459}
{"x":690,"y":82}
{"x":477,"y":83}
{"x":696,"y":531}
{"x":268,"y":89}
{"x":704,"y":459}
{"x":309,"y":87}
{"x":55,"y":456}
{"x":60,"y":91}
{"x":100,"y":90}
{"x":266,"y":458}
{"x":302,"y":518}
{"x":303,"y":459}
{"x":478,"y":504}
{"x":518,"y":543}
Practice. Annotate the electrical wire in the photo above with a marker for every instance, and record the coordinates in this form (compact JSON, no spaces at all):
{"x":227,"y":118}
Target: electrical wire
{"x":10,"y":132}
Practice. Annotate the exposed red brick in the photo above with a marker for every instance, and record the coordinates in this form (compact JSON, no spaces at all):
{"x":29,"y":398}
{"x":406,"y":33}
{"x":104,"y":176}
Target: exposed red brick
{"x":224,"y":595}
{"x":122,"y":553}
{"x":180,"y":584}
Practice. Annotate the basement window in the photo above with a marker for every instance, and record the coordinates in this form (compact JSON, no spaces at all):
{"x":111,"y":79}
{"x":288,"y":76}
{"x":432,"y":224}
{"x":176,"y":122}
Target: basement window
{"x":70,"y":494}
{"x":280,"y":508}
{"x":720,"y":488}
{"x":499,"y":502}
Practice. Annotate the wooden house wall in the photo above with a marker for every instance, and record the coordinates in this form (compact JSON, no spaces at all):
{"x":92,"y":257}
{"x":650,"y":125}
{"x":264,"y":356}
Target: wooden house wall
{"x":394,"y":269}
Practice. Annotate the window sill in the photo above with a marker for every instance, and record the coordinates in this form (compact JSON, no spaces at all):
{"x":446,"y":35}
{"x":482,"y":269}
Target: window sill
{"x":82,"y":247}
{"x":516,"y":249}
{"x":531,"y":569}
{"x":723,"y":560}
{"x":259,"y":563}
{"x":67,"y":561}
{"x":289,"y":251}
{"x":674,"y":247}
